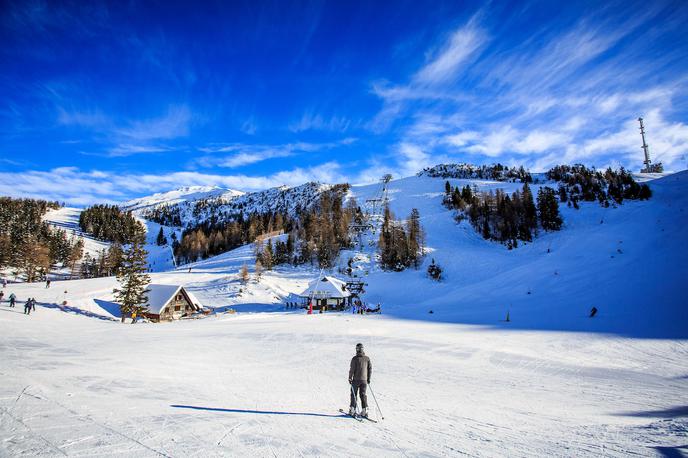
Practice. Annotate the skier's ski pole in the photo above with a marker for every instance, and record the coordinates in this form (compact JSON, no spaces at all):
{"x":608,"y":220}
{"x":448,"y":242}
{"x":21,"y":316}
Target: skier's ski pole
{"x":378,"y":405}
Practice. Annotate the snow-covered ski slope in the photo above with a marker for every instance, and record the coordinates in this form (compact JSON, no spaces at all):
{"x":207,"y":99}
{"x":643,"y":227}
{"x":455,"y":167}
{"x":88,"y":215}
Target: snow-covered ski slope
{"x":551,"y":382}
{"x":631,"y":262}
{"x":271,"y":384}
{"x":67,"y":219}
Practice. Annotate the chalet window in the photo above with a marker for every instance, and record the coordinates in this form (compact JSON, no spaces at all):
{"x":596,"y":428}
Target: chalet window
{"x":179,"y":297}
{"x":177,"y":308}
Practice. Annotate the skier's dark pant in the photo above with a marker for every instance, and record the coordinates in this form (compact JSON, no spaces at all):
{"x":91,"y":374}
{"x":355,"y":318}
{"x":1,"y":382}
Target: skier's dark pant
{"x":359,"y":387}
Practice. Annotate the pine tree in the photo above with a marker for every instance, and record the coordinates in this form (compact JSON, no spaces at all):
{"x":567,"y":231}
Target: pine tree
{"x":435,"y":271}
{"x":75,"y":255}
{"x":258,"y":270}
{"x":415,"y":238}
{"x":267,"y":258}
{"x":161,"y":239}
{"x":548,"y":209}
{"x":243,"y":274}
{"x":133,"y":280}
{"x":115,"y":258}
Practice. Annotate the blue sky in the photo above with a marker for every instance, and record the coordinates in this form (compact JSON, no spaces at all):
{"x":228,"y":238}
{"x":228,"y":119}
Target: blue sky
{"x":107,"y":101}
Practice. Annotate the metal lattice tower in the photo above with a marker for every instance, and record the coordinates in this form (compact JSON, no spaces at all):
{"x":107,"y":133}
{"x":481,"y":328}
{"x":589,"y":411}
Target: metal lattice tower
{"x":657,"y":167}
{"x":645,"y":147}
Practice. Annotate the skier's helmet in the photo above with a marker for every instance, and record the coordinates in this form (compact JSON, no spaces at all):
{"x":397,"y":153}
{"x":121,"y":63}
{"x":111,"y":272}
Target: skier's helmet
{"x":359,"y":347}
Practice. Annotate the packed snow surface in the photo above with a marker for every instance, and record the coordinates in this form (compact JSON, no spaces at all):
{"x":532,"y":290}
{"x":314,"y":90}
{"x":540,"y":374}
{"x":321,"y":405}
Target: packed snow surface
{"x":266,"y":381}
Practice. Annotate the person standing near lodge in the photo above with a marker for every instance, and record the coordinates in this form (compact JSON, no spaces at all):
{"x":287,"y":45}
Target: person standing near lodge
{"x":360,"y":371}
{"x":2,"y":294}
{"x":47,"y":284}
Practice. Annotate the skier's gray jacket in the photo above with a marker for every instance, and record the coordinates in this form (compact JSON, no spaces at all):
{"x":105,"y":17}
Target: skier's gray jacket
{"x":361,"y":368}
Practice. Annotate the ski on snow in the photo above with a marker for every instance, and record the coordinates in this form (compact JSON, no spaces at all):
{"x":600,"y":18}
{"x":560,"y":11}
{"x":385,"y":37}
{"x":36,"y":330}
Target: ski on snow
{"x":357,"y":417}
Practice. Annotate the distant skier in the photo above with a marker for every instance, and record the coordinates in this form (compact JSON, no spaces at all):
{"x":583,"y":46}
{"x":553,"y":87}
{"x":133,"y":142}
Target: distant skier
{"x":13,"y":299}
{"x":4,"y":283}
{"x":27,"y":307}
{"x":33,"y":303}
{"x":2,"y":294}
{"x":593,"y":312}
{"x":360,"y":371}
{"x":47,"y":284}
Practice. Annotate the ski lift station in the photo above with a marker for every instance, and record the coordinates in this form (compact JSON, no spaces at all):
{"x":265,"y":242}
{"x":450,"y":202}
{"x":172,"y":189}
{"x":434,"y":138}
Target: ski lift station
{"x":327,"y":292}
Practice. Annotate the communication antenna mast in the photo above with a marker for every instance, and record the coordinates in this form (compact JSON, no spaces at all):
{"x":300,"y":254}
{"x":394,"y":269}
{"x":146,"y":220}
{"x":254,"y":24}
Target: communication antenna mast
{"x":649,"y":166}
{"x":645,"y":148}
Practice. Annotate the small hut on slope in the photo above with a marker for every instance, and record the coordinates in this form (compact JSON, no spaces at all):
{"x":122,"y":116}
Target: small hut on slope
{"x":170,"y":302}
{"x":327,"y":292}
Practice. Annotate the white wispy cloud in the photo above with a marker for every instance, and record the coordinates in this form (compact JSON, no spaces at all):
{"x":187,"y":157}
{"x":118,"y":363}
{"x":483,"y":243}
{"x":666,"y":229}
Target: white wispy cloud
{"x":129,"y":137}
{"x":314,"y":121}
{"x":456,"y":51}
{"x":240,"y":154}
{"x":561,"y":94}
{"x":173,"y":124}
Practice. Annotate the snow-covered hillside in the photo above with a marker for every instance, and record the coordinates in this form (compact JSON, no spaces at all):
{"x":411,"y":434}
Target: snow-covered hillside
{"x":185,"y":194}
{"x":219,"y":204}
{"x":67,"y":219}
{"x":628,"y":262}
{"x":459,"y":380}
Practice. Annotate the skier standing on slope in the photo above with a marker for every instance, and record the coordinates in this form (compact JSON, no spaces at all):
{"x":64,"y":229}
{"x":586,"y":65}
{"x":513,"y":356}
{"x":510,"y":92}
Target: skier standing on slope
{"x":13,"y":299}
{"x":360,"y":371}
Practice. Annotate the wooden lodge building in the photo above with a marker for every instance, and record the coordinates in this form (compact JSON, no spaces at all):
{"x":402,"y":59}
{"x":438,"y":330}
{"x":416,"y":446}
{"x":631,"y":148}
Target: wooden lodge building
{"x":170,"y":302}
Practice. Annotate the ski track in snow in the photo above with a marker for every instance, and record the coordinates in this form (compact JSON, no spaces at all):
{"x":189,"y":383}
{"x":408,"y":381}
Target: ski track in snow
{"x":269,"y":382}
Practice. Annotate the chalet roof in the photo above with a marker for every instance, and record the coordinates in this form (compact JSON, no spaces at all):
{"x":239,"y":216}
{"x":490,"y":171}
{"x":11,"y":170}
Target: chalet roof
{"x":160,"y":295}
{"x":326,"y":287}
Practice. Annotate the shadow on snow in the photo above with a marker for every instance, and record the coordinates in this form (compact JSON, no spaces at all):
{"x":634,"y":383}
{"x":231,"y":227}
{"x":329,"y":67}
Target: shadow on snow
{"x":261,"y":412}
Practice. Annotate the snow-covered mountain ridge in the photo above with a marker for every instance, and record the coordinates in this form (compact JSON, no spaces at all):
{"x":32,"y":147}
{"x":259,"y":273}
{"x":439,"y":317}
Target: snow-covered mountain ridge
{"x":176,"y":196}
{"x":187,"y":207}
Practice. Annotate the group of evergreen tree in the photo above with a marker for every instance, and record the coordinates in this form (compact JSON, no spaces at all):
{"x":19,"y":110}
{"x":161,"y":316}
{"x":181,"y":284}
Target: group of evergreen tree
{"x":110,"y":223}
{"x":579,"y":183}
{"x":503,"y":217}
{"x":165,"y":215}
{"x":210,"y":239}
{"x":322,"y":231}
{"x":105,"y":264}
{"x":314,"y":235}
{"x":496,"y":172}
{"x":401,"y":245}
{"x":281,"y":252}
{"x":30,"y":245}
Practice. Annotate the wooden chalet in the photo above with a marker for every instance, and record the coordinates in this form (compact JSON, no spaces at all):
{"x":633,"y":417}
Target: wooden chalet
{"x":170,"y":302}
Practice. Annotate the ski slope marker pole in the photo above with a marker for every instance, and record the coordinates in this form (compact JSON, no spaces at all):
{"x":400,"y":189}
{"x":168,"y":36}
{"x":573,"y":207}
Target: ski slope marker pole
{"x":378,"y":405}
